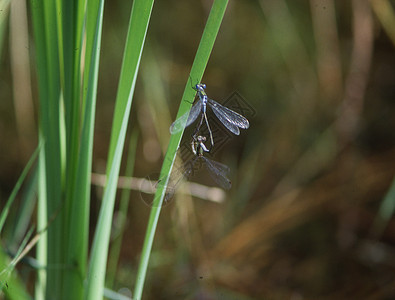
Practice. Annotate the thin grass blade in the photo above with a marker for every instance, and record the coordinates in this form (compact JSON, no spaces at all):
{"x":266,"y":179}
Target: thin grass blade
{"x":139,"y":20}
{"x":122,"y":214}
{"x":201,"y":59}
{"x":78,"y":236}
{"x":44,"y":19}
{"x":18,"y":185}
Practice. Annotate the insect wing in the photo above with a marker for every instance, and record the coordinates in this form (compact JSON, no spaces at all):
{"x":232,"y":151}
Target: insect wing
{"x":186,"y":119}
{"x":218,"y":172}
{"x":221,"y":168}
{"x":230,"y":115}
{"x":225,"y":120}
{"x":174,"y":181}
{"x":176,"y":177}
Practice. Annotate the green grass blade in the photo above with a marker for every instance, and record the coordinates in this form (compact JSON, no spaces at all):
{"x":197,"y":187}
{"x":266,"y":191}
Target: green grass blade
{"x":139,"y":20}
{"x":199,"y":65}
{"x":73,"y":13}
{"x":138,"y":25}
{"x":4,"y":13}
{"x":122,"y":214}
{"x":18,"y":255}
{"x":11,"y":286}
{"x":18,"y":185}
{"x":76,"y":254}
{"x":8,"y":268}
{"x":44,"y":18}
{"x":26,"y":209}
{"x":41,"y":251}
{"x":70,"y":48}
{"x":98,"y":262}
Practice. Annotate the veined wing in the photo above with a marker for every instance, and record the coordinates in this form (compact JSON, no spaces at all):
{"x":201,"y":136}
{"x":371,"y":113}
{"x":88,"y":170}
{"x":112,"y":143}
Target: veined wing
{"x":218,"y":172}
{"x":220,"y":167}
{"x":224,"y":120}
{"x":176,"y":177}
{"x":230,"y":115}
{"x":186,"y":119}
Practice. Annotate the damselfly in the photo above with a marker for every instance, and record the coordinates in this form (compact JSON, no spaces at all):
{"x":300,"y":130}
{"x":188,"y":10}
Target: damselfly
{"x":231,"y":120}
{"x":216,"y":170}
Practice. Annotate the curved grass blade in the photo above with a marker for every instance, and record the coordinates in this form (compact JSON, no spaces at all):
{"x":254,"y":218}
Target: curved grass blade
{"x":203,"y":53}
{"x":4,"y":212}
{"x":139,"y":20}
{"x":78,"y":234}
{"x":122,"y":214}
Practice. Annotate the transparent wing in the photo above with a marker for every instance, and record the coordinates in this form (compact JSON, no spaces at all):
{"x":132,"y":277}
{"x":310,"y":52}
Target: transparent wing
{"x":219,"y":167}
{"x":175,"y":179}
{"x":224,"y":120}
{"x":218,"y":172}
{"x":230,"y":115}
{"x":177,"y":176}
{"x":186,"y":119}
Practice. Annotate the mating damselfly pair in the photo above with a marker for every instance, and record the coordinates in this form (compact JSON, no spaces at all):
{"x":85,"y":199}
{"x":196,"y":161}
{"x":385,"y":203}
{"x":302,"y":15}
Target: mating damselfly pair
{"x":229,"y":118}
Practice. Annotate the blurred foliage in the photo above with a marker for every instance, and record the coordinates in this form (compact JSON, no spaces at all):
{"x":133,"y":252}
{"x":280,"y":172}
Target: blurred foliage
{"x":308,"y":176}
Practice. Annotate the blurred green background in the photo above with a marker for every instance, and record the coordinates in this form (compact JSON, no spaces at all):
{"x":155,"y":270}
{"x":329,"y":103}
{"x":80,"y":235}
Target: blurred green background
{"x":309,"y":214}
